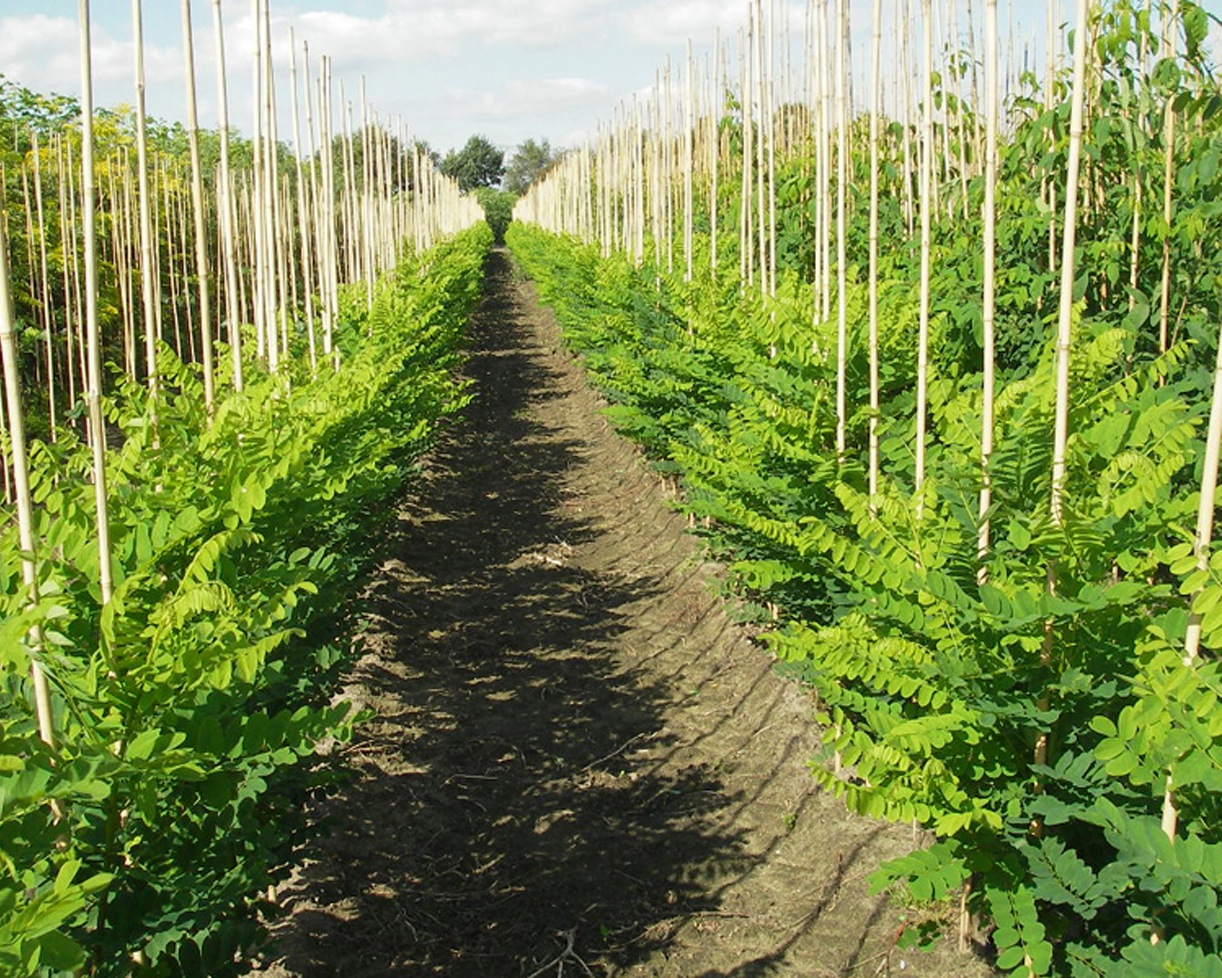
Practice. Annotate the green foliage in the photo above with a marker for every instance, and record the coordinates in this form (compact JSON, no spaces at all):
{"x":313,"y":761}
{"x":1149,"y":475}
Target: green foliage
{"x":934,"y":684}
{"x":498,"y":210}
{"x":189,"y":708}
{"x":529,"y":164}
{"x":477,"y":164}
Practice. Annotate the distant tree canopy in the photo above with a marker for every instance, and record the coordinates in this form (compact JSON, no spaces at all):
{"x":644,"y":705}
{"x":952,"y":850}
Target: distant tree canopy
{"x":478,"y":164}
{"x":529,"y":163}
{"x":498,"y":209}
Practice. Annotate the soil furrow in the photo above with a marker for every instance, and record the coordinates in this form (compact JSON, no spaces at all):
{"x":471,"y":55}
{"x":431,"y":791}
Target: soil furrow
{"x":578,"y":764}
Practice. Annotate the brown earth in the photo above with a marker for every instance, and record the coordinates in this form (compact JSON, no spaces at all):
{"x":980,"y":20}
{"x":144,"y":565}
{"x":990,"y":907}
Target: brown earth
{"x":579,"y":765}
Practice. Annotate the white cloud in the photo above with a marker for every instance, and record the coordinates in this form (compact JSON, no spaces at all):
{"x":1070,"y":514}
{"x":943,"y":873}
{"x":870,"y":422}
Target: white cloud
{"x":669,"y":23}
{"x":525,"y":98}
{"x":42,"y":53}
{"x":421,"y":29}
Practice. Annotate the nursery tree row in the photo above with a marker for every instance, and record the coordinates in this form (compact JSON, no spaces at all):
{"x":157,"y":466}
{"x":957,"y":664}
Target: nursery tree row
{"x":936,"y":364}
{"x":222,"y":358}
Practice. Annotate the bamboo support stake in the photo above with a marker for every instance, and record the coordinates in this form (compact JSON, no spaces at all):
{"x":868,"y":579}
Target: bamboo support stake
{"x":5,"y":445}
{"x":1201,"y":547}
{"x":30,"y":264}
{"x":1064,"y":334}
{"x":225,"y":205}
{"x":1068,"y":267}
{"x":842,"y":177}
{"x":875,"y":113}
{"x":93,"y":392}
{"x":988,"y":299}
{"x":1049,"y":186}
{"x":122,"y":263}
{"x":689,"y":135}
{"x":173,"y":273}
{"x":329,"y":246}
{"x":70,"y":312}
{"x":1164,"y":304}
{"x":149,"y":274}
{"x":305,"y":201}
{"x":21,"y":478}
{"x":69,"y":211}
{"x":366,"y":199}
{"x":770,"y":116}
{"x":197,"y":207}
{"x":926,"y":208}
{"x":824,"y":181}
{"x":761,"y":140}
{"x":46,"y":287}
{"x":746,"y":216}
{"x":904,"y":96}
{"x":274,"y":293}
{"x":715,"y":149}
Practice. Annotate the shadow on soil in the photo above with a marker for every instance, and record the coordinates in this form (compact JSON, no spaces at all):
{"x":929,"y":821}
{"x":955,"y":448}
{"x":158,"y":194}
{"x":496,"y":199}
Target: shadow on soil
{"x":504,"y":808}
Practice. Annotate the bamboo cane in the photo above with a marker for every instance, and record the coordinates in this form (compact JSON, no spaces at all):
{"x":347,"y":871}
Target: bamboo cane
{"x":988,"y":301}
{"x":842,"y":177}
{"x":21,"y":481}
{"x":45,"y":278}
{"x":1164,"y":304}
{"x":93,"y":391}
{"x":149,"y":265}
{"x":197,"y":206}
{"x":926,"y":208}
{"x":875,"y":113}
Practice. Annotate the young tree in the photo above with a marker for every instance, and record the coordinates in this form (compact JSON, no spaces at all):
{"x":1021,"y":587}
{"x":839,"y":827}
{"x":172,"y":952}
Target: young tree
{"x":478,"y":164}
{"x":529,"y":163}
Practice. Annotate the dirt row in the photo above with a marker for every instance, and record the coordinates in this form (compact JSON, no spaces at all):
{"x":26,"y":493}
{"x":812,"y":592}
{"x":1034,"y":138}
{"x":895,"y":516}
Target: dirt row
{"x":579,"y":765}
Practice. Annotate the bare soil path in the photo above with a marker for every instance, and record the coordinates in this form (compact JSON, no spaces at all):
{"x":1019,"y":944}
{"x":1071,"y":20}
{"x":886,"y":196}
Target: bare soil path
{"x":579,"y":765}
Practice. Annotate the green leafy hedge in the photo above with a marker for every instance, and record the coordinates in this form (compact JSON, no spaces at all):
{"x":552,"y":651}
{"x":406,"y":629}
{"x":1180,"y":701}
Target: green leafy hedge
{"x":189,"y":707}
{"x":935,"y":685}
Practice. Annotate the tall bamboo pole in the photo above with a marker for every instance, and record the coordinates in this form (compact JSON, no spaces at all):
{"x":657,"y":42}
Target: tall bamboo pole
{"x":225,"y":204}
{"x":1068,"y":266}
{"x":305,"y":202}
{"x":875,"y":113}
{"x":21,"y":478}
{"x":990,"y":261}
{"x":1164,"y":304}
{"x":197,"y":207}
{"x":93,"y":391}
{"x":274,"y":285}
{"x":842,"y":178}
{"x":46,"y":287}
{"x":149,"y":273}
{"x":926,"y":209}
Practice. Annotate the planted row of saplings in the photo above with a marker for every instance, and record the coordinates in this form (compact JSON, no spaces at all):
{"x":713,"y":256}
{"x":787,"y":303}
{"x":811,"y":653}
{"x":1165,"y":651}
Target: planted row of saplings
{"x":1032,"y":728}
{"x":186,"y":707}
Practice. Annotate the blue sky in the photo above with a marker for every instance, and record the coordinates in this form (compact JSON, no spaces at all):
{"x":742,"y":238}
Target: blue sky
{"x":509,"y":69}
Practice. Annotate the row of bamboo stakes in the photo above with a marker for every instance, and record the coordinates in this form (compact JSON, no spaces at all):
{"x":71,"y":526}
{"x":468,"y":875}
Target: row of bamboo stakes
{"x":263,"y":249}
{"x":636,"y":182}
